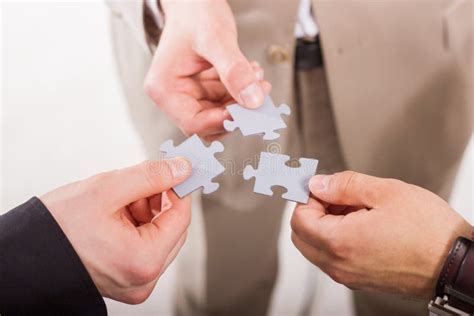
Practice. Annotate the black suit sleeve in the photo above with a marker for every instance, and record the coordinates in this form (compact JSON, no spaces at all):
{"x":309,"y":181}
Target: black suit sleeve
{"x":40,"y":273}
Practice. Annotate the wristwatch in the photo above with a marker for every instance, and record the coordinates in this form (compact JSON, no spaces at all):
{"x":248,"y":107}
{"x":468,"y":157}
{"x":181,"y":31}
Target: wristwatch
{"x":455,"y":287}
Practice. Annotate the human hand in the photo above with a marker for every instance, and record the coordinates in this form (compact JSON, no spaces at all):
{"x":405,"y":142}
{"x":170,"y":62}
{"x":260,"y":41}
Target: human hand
{"x":376,"y":234}
{"x":125,"y":225}
{"x":198,"y":68}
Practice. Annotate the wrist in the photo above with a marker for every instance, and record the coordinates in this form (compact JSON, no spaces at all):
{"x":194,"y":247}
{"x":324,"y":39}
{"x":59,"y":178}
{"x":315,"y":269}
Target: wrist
{"x":438,"y":253}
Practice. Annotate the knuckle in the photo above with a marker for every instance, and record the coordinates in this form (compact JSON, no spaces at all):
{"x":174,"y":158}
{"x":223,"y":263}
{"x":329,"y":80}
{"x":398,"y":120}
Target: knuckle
{"x":297,"y":221}
{"x":294,"y":240}
{"x":345,"y":179}
{"x":239,"y":72}
{"x":154,"y":88}
{"x":140,"y":271}
{"x":183,"y":220}
{"x":188,"y":128}
{"x":338,"y":247}
{"x":294,"y":220}
{"x":338,"y":276}
{"x":137,"y":296}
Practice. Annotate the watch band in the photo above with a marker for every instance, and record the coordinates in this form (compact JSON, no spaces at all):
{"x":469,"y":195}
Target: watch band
{"x":456,"y":281}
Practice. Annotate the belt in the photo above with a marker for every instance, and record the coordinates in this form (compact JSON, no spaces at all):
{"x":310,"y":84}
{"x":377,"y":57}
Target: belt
{"x":308,"y":54}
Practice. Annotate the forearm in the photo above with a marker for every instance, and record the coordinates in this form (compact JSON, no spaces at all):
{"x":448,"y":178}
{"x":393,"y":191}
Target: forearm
{"x":39,"y":269}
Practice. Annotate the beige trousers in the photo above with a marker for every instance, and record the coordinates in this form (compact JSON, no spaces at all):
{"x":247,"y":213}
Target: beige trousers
{"x":229,"y":264}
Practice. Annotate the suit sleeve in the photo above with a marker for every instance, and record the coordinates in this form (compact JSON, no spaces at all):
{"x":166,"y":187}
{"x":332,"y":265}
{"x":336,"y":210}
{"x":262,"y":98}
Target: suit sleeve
{"x":40,"y":273}
{"x":140,"y":19}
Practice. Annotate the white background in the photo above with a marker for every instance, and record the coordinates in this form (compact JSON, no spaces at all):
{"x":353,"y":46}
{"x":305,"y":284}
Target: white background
{"x":63,"y":117}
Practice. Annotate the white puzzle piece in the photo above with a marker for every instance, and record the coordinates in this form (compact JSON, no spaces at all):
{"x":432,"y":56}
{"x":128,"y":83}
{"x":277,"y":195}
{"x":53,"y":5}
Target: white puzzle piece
{"x":264,"y":120}
{"x":272,"y":171}
{"x":205,"y":165}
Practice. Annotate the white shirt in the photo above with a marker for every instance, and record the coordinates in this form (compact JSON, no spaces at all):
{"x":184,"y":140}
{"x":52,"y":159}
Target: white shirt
{"x":305,"y":25}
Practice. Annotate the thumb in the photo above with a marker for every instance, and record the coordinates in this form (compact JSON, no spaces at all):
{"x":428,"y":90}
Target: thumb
{"x":235,"y":72}
{"x":348,"y":188}
{"x":124,"y":186}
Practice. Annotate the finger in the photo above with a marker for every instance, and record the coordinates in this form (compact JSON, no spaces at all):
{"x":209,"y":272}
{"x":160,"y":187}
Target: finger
{"x":349,"y":188}
{"x":211,"y":73}
{"x":311,"y":223}
{"x":164,"y":232}
{"x":266,"y":87}
{"x":343,"y":209}
{"x":313,"y":254}
{"x":174,"y":252}
{"x":211,"y":90}
{"x":201,"y":122}
{"x":208,"y":122}
{"x":214,"y":137}
{"x":155,"y":203}
{"x":259,"y":73}
{"x":125,"y":186}
{"x":254,"y":63}
{"x":235,"y":71}
{"x":141,"y":211}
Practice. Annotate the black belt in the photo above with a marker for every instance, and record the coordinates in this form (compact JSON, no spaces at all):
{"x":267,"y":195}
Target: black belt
{"x":308,"y":54}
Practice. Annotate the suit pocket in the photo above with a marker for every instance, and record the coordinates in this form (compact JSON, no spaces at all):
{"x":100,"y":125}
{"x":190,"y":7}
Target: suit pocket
{"x":458,"y":26}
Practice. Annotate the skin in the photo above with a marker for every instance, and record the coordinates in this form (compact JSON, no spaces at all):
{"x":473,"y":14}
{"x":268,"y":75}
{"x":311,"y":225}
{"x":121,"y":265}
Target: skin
{"x":376,"y":234}
{"x":198,"y":68}
{"x":125,"y":225}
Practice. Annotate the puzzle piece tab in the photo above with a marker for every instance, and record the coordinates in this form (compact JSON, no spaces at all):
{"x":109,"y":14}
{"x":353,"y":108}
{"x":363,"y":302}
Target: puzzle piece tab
{"x":264,"y":120}
{"x":272,"y":171}
{"x":205,"y":165}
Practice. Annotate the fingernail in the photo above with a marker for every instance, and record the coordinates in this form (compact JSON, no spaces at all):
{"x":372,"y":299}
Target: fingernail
{"x":252,"y":96}
{"x":226,"y":114}
{"x":180,"y":167}
{"x":166,"y":203}
{"x":319,"y":183}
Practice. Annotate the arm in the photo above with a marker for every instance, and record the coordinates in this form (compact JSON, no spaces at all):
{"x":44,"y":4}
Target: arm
{"x":39,"y":269}
{"x":104,"y":236}
{"x":197,"y":67}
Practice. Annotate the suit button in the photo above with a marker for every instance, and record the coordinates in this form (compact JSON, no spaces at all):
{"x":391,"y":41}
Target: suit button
{"x":277,"y":54}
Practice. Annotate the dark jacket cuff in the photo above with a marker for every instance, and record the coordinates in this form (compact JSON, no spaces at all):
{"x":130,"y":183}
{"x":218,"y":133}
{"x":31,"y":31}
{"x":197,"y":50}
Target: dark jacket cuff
{"x":40,"y":272}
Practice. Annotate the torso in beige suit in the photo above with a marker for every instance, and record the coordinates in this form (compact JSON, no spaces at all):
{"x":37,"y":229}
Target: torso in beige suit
{"x":397,"y":90}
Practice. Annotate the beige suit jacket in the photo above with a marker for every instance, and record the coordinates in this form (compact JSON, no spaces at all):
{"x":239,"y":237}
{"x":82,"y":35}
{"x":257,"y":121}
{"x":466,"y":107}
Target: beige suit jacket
{"x":400,"y":76}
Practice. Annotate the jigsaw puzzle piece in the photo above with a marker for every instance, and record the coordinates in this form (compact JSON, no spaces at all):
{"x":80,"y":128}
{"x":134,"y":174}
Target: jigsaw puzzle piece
{"x":270,"y":135}
{"x":284,"y":109}
{"x":167,"y":146}
{"x":260,"y":188}
{"x":210,"y":187}
{"x":216,"y":147}
{"x":204,"y":164}
{"x":264,"y":120}
{"x":246,"y":119}
{"x":272,"y":171}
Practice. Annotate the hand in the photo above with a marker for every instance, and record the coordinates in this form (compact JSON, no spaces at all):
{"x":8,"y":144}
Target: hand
{"x":376,"y":234}
{"x":198,"y":68}
{"x":125,"y":225}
